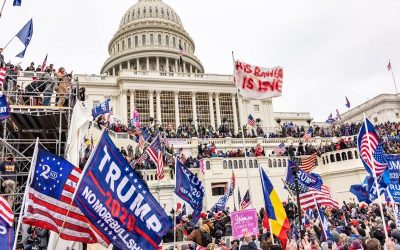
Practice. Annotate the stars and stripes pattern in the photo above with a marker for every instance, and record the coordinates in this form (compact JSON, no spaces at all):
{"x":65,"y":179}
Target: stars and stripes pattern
{"x":307,"y":196}
{"x":44,"y":63}
{"x":155,"y":153}
{"x":307,"y":136}
{"x":370,"y":143}
{"x":3,"y":73}
{"x":6,"y":212}
{"x":246,"y":200}
{"x":49,"y":202}
{"x":280,"y":149}
{"x":308,"y":164}
{"x":141,"y":141}
{"x":251,"y":121}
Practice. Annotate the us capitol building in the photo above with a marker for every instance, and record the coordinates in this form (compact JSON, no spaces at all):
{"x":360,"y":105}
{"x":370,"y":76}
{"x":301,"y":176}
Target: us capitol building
{"x":144,"y":72}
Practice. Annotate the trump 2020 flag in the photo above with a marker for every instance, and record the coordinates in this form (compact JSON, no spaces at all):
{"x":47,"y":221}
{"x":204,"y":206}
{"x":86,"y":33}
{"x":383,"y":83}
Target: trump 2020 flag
{"x":311,"y":180}
{"x":4,"y":108}
{"x":25,"y":35}
{"x":101,"y":108}
{"x":190,"y":189}
{"x":370,"y":149}
{"x":221,"y":203}
{"x":117,"y":202}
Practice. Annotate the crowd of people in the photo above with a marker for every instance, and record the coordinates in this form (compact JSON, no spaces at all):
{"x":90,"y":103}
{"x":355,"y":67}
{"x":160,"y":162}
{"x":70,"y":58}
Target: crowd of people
{"x":353,"y":226}
{"x":44,"y":83}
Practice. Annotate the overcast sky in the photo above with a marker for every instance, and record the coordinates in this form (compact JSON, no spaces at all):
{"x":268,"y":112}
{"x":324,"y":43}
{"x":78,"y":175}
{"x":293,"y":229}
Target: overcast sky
{"x":328,"y":49}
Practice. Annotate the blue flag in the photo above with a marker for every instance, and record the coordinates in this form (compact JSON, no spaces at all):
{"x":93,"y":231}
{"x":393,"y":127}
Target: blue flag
{"x":101,"y":108}
{"x":145,"y":134}
{"x":25,"y":35}
{"x":4,"y":108}
{"x":392,"y":173}
{"x":17,"y":3}
{"x":221,"y":203}
{"x":373,"y":194}
{"x":324,"y":222}
{"x":311,"y":180}
{"x":190,"y":189}
{"x":6,"y":235}
{"x":360,"y":191}
{"x":118,"y":203}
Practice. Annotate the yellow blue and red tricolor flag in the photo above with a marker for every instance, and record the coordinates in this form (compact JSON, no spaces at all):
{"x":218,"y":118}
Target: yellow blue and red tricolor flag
{"x":278,"y":220}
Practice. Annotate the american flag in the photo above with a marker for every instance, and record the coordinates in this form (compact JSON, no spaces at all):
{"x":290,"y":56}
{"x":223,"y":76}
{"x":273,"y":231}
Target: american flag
{"x":44,"y":63}
{"x":370,"y":144}
{"x":155,"y":153}
{"x":3,"y":73}
{"x":233,"y":184}
{"x":308,"y":164}
{"x":141,"y":141}
{"x":49,"y":202}
{"x":280,"y":149}
{"x":307,"y":136}
{"x":251,"y":121}
{"x":246,"y":200}
{"x":6,"y":212}
{"x":201,"y":166}
{"x":307,"y":196}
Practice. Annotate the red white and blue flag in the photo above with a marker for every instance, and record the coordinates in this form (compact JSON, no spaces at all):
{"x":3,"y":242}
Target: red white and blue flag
{"x":371,"y":150}
{"x":44,"y":63}
{"x":117,"y":202}
{"x":155,"y":153}
{"x":3,"y":73}
{"x":135,"y":121}
{"x":251,"y":121}
{"x":307,"y":136}
{"x":6,"y":225}
{"x":280,"y":149}
{"x":49,"y":201}
{"x":246,"y":200}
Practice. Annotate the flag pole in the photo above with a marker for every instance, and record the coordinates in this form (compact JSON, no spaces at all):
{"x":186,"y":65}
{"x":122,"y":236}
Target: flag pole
{"x":234,"y":200}
{"x":28,"y":183}
{"x":394,"y":79}
{"x":2,"y":7}
{"x":320,"y":219}
{"x":262,"y":184}
{"x":374,"y":175}
{"x":243,"y":140}
{"x":175,"y":201}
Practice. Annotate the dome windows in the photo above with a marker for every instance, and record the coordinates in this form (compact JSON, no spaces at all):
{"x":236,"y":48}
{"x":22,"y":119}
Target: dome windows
{"x":167,"y":40}
{"x":159,"y":39}
{"x":143,"y":40}
{"x":136,"y":41}
{"x":151,"y":39}
{"x":123,"y":45}
{"x":129,"y":43}
{"x":174,"y":42}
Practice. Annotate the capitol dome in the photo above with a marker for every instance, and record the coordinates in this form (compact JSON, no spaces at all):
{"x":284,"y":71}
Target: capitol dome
{"x":149,"y":39}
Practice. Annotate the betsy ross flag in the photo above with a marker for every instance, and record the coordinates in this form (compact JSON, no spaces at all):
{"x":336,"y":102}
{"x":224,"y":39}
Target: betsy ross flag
{"x":371,"y":150}
{"x":3,"y":73}
{"x":49,"y":201}
{"x":44,"y":63}
{"x":280,"y":149}
{"x":155,"y":153}
{"x":246,"y":201}
{"x":251,"y":121}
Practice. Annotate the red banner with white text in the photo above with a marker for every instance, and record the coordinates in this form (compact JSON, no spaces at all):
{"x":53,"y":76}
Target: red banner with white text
{"x":255,"y":82}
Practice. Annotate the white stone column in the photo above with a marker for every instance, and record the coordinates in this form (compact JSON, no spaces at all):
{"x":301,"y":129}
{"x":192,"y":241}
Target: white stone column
{"x":129,"y":64}
{"x":147,"y":63}
{"x":132,"y":102}
{"x":235,"y":118}
{"x":158,"y":103}
{"x":120,"y":67}
{"x":194,"y":107}
{"x":177,"y":118}
{"x":212,"y":118}
{"x":151,"y":103}
{"x":176,"y":66}
{"x":137,"y":64}
{"x":184,"y":67}
{"x":113,"y":71}
{"x":167,"y":64}
{"x":157,"y":63}
{"x":218,"y":110}
{"x":191,"y":69}
{"x":124,"y":107}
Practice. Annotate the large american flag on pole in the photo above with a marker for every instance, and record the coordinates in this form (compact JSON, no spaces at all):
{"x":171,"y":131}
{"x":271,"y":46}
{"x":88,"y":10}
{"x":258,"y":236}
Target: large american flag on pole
{"x":251,"y":121}
{"x":280,"y":149}
{"x":155,"y":153}
{"x":49,"y":202}
{"x":308,"y":163}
